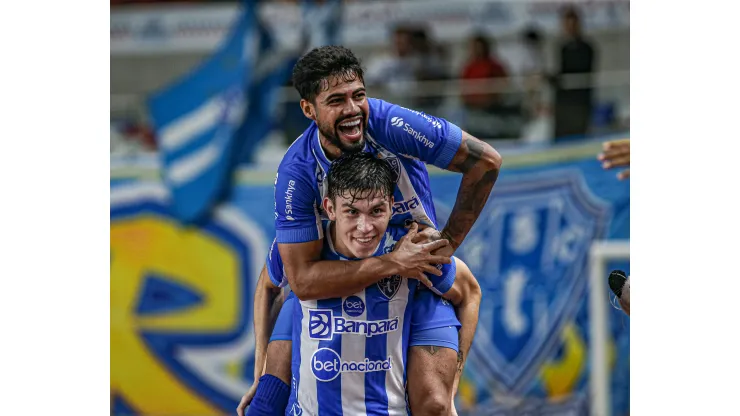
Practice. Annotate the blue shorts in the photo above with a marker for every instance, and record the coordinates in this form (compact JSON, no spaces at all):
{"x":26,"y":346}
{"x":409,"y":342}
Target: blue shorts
{"x":283,"y":330}
{"x":433,"y":321}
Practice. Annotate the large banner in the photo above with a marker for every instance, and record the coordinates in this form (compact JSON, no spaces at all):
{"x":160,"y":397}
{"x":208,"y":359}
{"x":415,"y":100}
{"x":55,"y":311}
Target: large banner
{"x":181,"y":297}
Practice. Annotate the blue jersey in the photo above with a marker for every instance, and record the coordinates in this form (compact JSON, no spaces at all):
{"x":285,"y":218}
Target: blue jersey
{"x":349,"y":353}
{"x":407,"y":139}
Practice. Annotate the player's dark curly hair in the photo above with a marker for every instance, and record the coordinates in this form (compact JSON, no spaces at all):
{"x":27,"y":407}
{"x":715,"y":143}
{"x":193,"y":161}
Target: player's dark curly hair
{"x":360,"y":175}
{"x":312,"y":71}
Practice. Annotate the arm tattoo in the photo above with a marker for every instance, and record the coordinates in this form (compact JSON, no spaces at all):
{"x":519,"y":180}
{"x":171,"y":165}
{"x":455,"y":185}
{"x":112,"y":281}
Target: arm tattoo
{"x":431,"y":349}
{"x":475,"y":153}
{"x":474,"y":190}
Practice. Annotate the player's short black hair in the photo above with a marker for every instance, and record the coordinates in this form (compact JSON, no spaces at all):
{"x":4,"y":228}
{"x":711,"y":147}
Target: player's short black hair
{"x":360,"y":175}
{"x":318,"y":65}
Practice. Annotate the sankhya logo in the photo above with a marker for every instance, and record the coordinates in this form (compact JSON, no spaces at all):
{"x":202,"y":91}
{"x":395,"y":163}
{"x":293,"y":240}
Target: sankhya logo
{"x":398,"y":122}
{"x":322,"y":324}
{"x":326,"y":365}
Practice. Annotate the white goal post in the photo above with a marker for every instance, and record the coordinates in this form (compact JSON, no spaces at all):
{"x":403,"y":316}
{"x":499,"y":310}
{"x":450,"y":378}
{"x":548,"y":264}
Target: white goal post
{"x":601,"y":253}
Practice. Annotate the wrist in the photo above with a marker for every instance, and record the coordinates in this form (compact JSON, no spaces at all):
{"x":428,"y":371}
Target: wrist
{"x":445,"y":234}
{"x":390,"y":265}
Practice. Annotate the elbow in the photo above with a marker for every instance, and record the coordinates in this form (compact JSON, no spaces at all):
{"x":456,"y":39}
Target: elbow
{"x":301,"y":289}
{"x":472,"y":293}
{"x":492,"y":160}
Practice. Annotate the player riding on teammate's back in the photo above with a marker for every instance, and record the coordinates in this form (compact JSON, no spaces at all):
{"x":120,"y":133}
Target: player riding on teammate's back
{"x":330,"y":82}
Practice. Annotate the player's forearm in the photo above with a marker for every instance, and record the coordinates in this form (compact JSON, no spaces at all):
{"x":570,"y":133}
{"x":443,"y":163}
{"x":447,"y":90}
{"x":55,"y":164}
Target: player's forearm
{"x":331,"y":278}
{"x":265,"y":299}
{"x":480,"y":164}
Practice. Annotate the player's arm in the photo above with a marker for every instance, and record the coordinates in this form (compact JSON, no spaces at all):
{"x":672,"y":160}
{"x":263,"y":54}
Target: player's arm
{"x":465,"y":295}
{"x":480,"y":164}
{"x":443,"y":144}
{"x":267,"y":303}
{"x":311,"y":278}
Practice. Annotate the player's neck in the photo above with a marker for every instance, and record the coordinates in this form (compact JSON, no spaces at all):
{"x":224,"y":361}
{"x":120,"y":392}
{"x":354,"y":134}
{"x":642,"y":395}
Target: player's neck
{"x":332,"y":152}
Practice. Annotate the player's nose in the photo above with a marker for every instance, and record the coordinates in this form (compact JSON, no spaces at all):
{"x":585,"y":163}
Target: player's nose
{"x":350,"y":108}
{"x":364,"y":226}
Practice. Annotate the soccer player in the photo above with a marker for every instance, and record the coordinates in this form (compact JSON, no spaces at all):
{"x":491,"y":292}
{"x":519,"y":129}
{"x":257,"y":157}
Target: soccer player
{"x":349,"y":352}
{"x":330,"y":82}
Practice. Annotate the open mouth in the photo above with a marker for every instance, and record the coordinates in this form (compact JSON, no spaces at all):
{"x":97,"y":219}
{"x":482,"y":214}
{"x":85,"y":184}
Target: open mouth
{"x":365,"y":241}
{"x":351,"y":129}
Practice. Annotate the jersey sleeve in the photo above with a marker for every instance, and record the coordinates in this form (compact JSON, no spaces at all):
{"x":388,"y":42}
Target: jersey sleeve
{"x":296,"y":215}
{"x":275,"y":266}
{"x":415,"y":134}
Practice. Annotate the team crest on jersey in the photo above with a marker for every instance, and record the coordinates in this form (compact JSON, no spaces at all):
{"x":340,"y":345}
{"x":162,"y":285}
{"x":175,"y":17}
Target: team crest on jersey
{"x":389,"y":286}
{"x":550,"y":218}
{"x":395,"y":165}
{"x":389,"y":157}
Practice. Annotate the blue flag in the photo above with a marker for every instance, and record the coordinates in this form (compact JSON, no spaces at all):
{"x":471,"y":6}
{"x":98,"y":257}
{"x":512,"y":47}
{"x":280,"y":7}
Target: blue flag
{"x":320,"y":26}
{"x":322,"y":21}
{"x":196,"y":119}
{"x":271,"y":72}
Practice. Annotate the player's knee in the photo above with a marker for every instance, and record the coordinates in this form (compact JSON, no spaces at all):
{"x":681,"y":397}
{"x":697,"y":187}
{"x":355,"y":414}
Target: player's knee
{"x":278,"y":360}
{"x":435,"y":404}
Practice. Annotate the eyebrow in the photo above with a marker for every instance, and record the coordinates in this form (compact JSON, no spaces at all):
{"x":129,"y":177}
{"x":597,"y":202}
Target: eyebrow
{"x":339,"y":94}
{"x":378,"y":205}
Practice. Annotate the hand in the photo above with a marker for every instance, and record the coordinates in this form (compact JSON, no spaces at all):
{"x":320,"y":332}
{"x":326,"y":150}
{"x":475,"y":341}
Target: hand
{"x":413,"y":259}
{"x":616,"y":154}
{"x":247,"y":398}
{"x":428,"y":234}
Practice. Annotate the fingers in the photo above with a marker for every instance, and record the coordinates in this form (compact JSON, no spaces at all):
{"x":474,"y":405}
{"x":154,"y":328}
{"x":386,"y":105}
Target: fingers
{"x":419,"y":238}
{"x":412,"y":230}
{"x":617,"y":161}
{"x":435,"y":245}
{"x":612,"y":144}
{"x":625,"y":174}
{"x":431,"y":269}
{"x":424,"y":280}
{"x":438,"y":260}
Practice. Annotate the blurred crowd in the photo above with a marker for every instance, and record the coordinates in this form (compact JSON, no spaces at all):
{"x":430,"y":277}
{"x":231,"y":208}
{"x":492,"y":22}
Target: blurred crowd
{"x":516,"y":96}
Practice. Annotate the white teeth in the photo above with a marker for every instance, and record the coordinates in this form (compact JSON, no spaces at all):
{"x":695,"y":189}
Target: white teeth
{"x":364,"y":240}
{"x":351,"y":123}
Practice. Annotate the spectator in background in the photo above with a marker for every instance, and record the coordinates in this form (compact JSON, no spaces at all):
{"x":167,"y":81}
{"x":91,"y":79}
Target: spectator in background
{"x":482,"y":64}
{"x":428,"y":65}
{"x":573,"y":107}
{"x":487,"y":113}
{"x":394,"y":73}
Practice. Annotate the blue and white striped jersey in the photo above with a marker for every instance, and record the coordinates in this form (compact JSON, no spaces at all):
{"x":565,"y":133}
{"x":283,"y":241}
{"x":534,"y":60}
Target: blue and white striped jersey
{"x":406,"y":138}
{"x":349,"y":354}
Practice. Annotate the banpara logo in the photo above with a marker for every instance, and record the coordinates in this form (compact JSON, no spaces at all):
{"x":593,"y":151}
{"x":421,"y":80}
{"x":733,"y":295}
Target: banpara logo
{"x":397,"y":121}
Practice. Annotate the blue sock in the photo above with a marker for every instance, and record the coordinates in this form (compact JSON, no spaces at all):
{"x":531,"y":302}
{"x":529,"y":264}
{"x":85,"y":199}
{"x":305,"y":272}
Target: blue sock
{"x":271,"y":397}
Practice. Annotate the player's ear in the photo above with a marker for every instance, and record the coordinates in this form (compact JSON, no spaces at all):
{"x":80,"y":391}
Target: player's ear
{"x":329,"y":209}
{"x":308,"y":109}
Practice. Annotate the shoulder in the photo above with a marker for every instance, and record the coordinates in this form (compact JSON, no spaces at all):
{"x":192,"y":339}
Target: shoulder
{"x":299,"y":157}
